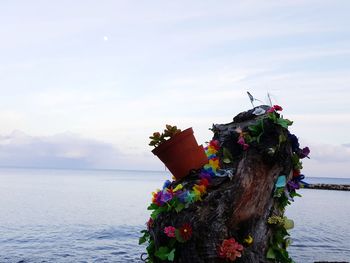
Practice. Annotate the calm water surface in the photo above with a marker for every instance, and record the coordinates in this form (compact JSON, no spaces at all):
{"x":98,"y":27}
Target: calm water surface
{"x":96,"y":216}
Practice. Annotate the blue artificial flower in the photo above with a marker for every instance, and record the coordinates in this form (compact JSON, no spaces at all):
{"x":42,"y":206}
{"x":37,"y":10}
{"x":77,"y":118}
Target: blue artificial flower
{"x":294,"y":141}
{"x":167,"y":183}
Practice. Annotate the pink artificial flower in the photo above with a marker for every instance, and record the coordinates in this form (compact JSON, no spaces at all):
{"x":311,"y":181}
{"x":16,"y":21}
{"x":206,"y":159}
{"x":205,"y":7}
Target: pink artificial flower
{"x":274,"y":108}
{"x":170,"y":231}
{"x":277,"y":108}
{"x":242,"y":142}
{"x":230,"y":249}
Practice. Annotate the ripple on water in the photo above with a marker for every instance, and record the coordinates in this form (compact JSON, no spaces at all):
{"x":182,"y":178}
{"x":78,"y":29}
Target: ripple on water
{"x":93,"y":244}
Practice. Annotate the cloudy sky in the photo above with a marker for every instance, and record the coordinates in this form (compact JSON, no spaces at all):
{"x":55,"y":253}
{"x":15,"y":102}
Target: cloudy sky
{"x":84,"y":83}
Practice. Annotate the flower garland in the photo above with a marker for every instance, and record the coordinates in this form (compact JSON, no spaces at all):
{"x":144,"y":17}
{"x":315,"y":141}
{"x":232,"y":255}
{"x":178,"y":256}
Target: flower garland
{"x":285,"y":190}
{"x":178,"y":198}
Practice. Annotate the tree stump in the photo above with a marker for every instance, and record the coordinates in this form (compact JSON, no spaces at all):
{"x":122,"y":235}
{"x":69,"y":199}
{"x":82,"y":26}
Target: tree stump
{"x":238,"y":205}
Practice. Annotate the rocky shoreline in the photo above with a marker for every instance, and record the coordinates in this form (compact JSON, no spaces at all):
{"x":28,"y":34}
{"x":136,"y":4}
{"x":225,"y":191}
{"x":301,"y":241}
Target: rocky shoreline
{"x":338,"y":187}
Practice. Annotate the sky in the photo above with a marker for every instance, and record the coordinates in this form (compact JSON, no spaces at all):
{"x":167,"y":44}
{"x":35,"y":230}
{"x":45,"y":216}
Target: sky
{"x":85,"y":83}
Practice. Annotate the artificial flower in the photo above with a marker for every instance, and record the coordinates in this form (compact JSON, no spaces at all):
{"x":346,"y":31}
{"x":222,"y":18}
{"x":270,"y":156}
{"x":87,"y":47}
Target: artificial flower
{"x":191,"y":197}
{"x":165,"y":196}
{"x":242,"y":142}
{"x":200,"y":188}
{"x":248,"y":240}
{"x":210,"y":151}
{"x":156,"y":197}
{"x":205,"y":175}
{"x":204,"y":181}
{"x":182,"y":195}
{"x":214,"y":163}
{"x":196,"y":194}
{"x":296,"y":173}
{"x":230,"y":249}
{"x":299,"y":179}
{"x":293,"y":185}
{"x":167,"y":183}
{"x":170,"y":231}
{"x":185,"y":232}
{"x":274,"y":108}
{"x":241,"y":139}
{"x":215,"y":144}
{"x":178,"y":187}
{"x":275,"y":220}
{"x":304,"y":152}
{"x":209,"y":170}
{"x":277,"y":108}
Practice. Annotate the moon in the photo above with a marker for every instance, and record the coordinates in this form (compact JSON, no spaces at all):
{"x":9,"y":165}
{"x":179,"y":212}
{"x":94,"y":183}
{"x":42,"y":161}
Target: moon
{"x":105,"y":38}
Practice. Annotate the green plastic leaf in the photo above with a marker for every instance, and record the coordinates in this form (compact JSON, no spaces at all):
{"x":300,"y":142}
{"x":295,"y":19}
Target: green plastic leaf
{"x":178,"y":236}
{"x":270,"y":254}
{"x":162,"y":253}
{"x":145,"y":236}
{"x":253,"y":128}
{"x":179,"y":206}
{"x":151,"y":247}
{"x":156,"y":212}
{"x":294,"y":194}
{"x":278,"y":192}
{"x":272,"y":116}
{"x":228,"y":158}
{"x":288,"y":223}
{"x":258,"y":137}
{"x":142,"y":240}
{"x":281,"y":139}
{"x":284,"y":122}
{"x":152,"y":207}
{"x":171,"y":255}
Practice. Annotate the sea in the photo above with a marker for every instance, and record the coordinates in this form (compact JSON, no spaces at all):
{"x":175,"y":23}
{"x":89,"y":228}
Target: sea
{"x":88,"y":216}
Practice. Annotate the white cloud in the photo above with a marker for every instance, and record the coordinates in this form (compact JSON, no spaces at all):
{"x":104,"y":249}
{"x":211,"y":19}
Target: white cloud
{"x":65,"y":151}
{"x":327,"y":160}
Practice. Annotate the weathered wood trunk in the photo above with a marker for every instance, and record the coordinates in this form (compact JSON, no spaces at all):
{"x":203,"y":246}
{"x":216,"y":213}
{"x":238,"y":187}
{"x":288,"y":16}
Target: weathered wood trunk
{"x":238,"y":206}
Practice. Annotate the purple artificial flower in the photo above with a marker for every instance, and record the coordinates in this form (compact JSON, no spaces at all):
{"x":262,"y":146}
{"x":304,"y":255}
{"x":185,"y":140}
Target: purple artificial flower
{"x":205,"y":175}
{"x":166,"y":196}
{"x":304,"y":153}
{"x":293,"y":185}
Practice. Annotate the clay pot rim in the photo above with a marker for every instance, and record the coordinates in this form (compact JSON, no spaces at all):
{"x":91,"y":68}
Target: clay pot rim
{"x":177,"y":137}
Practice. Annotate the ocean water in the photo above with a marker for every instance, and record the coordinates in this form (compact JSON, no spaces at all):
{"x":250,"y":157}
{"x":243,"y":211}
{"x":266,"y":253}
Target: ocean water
{"x":95,"y":216}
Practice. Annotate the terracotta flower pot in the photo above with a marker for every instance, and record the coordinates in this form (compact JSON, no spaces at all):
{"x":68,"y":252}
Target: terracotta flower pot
{"x":181,"y":154}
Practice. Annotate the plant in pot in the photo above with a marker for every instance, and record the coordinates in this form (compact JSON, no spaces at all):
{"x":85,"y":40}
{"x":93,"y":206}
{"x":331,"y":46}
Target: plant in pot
{"x":178,"y":150}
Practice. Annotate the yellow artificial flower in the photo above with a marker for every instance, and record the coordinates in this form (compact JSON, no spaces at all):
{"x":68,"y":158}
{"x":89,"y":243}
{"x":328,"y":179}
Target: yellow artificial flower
{"x":200,"y":188}
{"x":214,"y":164}
{"x":178,"y":187}
{"x":211,"y":150}
{"x":248,"y":240}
